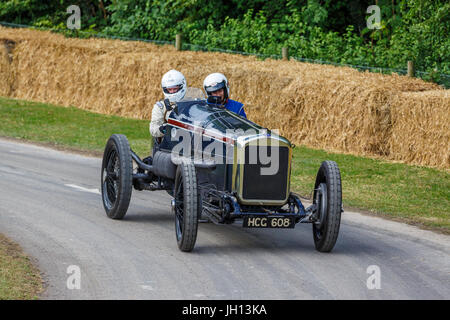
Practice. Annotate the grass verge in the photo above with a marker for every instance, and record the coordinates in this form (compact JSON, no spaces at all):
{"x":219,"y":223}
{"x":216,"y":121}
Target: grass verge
{"x":19,"y":279}
{"x":411,"y":194}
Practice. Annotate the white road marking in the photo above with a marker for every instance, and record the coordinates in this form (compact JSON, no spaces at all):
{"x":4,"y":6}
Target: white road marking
{"x":96,"y":191}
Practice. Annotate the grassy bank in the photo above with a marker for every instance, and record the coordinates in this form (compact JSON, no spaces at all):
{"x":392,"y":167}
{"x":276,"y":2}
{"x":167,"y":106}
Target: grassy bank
{"x":19,"y":279}
{"x":412,"y":194}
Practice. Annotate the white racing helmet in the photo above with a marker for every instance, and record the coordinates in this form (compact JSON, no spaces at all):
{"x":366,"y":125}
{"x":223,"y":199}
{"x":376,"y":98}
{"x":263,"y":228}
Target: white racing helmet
{"x":174,"y":79}
{"x":214,"y":82}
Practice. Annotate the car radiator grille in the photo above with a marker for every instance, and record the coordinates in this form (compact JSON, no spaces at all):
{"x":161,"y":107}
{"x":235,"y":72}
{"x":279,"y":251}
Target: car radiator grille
{"x":257,"y":186}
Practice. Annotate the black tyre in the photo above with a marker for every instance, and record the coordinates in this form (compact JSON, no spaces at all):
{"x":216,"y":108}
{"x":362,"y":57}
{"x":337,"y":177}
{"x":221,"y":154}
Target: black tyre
{"x":328,"y":197}
{"x":186,"y":206}
{"x":117,"y":170}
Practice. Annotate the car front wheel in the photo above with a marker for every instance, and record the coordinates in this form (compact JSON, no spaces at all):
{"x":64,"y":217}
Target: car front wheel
{"x":116,"y":176}
{"x":328,"y":199}
{"x":186,"y":206}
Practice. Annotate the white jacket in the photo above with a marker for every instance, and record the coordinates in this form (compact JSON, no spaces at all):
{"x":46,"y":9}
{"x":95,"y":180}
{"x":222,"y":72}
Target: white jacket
{"x":158,"y":112}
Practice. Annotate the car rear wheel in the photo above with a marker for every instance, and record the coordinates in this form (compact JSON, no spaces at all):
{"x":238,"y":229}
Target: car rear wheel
{"x":186,"y":206}
{"x":117,"y":170}
{"x":328,"y":198}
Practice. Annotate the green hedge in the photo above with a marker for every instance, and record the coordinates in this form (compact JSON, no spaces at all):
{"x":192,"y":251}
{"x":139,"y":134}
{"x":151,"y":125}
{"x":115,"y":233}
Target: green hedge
{"x":327,"y":30}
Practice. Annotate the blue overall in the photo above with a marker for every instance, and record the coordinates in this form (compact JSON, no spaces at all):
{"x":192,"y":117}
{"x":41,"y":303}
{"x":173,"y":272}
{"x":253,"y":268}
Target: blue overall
{"x":236,"y":107}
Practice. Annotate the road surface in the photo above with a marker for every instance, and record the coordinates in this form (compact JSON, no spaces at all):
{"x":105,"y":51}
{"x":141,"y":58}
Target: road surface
{"x":51,"y":206}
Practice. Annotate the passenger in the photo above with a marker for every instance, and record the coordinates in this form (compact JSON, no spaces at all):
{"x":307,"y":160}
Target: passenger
{"x":174,"y":88}
{"x":216,"y":84}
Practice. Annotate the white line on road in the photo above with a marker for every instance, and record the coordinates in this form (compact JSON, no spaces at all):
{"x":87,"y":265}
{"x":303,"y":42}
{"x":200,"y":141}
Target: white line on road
{"x":145,"y":287}
{"x":96,"y":191}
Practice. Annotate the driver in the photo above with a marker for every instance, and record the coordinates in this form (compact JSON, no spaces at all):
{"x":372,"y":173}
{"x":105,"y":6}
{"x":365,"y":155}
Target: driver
{"x":174,"y":88}
{"x":216,"y":84}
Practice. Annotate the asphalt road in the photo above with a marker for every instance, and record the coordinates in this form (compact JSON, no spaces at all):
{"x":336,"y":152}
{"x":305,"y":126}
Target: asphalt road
{"x":50,"y":205}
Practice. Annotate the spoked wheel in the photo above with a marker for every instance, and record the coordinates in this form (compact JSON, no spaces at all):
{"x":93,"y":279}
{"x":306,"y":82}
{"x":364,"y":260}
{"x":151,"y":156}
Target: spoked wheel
{"x":328,"y":198}
{"x":117,"y":176}
{"x":186,"y":206}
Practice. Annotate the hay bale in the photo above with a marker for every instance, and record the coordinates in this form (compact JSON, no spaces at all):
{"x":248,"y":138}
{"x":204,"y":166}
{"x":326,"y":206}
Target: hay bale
{"x":6,"y":69}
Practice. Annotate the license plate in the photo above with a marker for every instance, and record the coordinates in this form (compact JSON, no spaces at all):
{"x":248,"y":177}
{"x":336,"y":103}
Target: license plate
{"x":268,"y":222}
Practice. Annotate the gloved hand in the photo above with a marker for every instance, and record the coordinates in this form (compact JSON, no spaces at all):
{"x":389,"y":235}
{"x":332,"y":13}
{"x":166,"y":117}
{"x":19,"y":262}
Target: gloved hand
{"x":168,"y":105}
{"x":163,"y":129}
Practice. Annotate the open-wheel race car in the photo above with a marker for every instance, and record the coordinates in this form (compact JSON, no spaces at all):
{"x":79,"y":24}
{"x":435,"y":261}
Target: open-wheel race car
{"x":222,"y":168}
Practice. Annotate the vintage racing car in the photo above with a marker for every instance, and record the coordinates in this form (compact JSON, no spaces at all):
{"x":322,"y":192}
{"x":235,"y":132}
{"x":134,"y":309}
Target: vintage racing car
{"x":222,"y":168}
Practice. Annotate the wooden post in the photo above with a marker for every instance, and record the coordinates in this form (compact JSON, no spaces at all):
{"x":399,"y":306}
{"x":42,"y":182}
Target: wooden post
{"x":285,"y":53}
{"x":178,"y":42}
{"x":411,"y":70}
